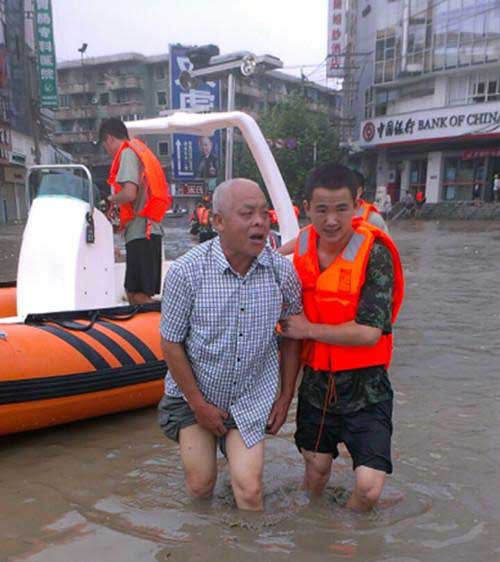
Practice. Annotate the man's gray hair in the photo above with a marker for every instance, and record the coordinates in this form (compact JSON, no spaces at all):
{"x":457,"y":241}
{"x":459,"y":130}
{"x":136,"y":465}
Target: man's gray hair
{"x":222,"y":194}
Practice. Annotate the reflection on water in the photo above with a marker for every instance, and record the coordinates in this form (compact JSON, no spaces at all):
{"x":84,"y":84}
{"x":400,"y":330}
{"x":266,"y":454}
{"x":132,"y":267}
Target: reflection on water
{"x":112,"y":488}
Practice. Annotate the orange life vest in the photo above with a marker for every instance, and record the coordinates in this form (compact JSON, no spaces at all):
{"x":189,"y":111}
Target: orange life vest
{"x":158,"y":198}
{"x":365,"y":209}
{"x":273,"y":215}
{"x":332,"y":296}
{"x":203,"y":216}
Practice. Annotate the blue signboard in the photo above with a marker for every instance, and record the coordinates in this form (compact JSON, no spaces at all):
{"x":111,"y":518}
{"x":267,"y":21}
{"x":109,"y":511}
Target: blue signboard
{"x":194,"y":157}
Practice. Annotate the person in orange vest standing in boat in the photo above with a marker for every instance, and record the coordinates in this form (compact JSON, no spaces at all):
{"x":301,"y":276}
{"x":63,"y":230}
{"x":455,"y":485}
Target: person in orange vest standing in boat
{"x":140,"y":190}
{"x":352,"y":290}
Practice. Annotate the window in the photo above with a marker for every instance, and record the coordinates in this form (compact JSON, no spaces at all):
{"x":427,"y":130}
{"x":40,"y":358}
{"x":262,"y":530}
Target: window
{"x":386,"y":48}
{"x":368,"y":103}
{"x":161,"y":98}
{"x":104,"y":99}
{"x":474,"y":88}
{"x":163,"y":148}
{"x":159,"y":72}
{"x":64,"y":100}
{"x":460,"y":177}
{"x":122,"y":96}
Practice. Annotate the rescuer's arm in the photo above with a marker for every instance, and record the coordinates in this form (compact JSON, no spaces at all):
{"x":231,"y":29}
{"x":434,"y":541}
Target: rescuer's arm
{"x":128,"y":176}
{"x":373,"y":317}
{"x":289,"y":369}
{"x":176,"y":306}
{"x":289,"y":352}
{"x":287,"y":248}
{"x":128,"y":194}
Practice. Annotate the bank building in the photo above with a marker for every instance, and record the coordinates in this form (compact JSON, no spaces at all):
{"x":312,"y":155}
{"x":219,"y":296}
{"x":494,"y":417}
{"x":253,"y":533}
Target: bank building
{"x":422,"y":95}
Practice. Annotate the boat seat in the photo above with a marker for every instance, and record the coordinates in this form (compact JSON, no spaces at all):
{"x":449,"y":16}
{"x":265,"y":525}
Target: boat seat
{"x":58,"y":269}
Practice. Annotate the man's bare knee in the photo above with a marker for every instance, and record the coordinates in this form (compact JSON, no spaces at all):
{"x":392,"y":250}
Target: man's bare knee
{"x":199,"y":486}
{"x":248,"y":493}
{"x":367,"y":490}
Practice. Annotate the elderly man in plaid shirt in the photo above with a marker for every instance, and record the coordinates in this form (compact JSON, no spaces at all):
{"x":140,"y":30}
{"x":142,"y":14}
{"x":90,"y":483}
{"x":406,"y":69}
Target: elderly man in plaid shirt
{"x":221,"y":303}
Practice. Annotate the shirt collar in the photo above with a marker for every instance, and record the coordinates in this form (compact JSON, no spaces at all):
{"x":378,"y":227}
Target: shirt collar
{"x":264,"y":258}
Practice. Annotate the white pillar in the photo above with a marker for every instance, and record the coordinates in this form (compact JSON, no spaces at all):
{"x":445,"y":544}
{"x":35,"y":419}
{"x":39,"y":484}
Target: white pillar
{"x":405,"y":177}
{"x":434,"y":178}
{"x":382,"y":169}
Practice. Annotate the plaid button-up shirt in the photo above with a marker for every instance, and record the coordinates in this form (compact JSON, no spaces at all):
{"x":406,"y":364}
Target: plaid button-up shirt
{"x":227,"y":325}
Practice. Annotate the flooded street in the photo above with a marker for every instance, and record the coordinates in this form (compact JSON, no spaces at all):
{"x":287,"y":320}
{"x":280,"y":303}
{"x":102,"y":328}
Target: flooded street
{"x":111,"y":489}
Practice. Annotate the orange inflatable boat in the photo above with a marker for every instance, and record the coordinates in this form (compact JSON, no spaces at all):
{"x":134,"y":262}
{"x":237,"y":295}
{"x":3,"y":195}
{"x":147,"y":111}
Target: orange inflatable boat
{"x":8,"y":299}
{"x":63,"y":367}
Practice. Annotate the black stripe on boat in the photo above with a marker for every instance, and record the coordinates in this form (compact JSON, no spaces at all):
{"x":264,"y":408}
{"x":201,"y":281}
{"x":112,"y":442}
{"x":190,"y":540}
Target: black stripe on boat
{"x":132,"y":339}
{"x":111,"y":345}
{"x":58,"y":386}
{"x":95,"y":358}
{"x":115,"y":313}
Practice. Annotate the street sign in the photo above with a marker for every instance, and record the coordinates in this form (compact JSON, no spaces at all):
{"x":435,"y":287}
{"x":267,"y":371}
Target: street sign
{"x":194,"y":157}
{"x":44,"y":33}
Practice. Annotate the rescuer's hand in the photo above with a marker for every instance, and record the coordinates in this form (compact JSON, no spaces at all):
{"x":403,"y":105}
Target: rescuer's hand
{"x":210,"y":417}
{"x":278,"y":415}
{"x":296,"y":327}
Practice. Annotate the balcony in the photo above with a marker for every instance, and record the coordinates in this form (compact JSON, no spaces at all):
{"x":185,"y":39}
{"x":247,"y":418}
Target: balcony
{"x":68,"y":88}
{"x":89,"y":111}
{"x":119,"y":109}
{"x":124,"y":83}
{"x":68,"y":137}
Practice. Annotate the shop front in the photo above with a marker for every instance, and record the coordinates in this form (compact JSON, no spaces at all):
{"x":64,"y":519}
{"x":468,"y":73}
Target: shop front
{"x":451,"y":154}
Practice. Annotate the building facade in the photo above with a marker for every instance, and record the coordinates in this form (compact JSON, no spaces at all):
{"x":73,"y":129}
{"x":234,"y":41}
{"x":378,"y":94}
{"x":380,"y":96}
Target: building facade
{"x":132,"y":86}
{"x":426,"y":104}
{"x":25,"y":128}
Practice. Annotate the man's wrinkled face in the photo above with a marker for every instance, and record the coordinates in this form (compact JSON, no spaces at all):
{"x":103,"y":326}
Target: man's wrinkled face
{"x":244,"y":223}
{"x":331,"y":212}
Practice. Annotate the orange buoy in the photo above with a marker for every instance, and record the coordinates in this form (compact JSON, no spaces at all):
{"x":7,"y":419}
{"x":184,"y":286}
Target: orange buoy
{"x":72,"y":366}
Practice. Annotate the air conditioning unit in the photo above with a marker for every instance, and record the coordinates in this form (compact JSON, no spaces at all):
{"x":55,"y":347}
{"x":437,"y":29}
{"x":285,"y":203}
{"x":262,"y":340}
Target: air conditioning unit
{"x":94,"y":100}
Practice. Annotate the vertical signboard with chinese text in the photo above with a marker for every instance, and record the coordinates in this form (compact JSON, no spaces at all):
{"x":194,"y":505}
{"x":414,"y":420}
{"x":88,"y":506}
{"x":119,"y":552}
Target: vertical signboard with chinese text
{"x":193,"y":157}
{"x":44,"y":32}
{"x":336,"y":39}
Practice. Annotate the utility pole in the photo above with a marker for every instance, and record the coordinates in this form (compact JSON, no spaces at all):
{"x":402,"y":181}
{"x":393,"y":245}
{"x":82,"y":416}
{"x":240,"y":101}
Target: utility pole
{"x":31,"y":82}
{"x":82,"y":50}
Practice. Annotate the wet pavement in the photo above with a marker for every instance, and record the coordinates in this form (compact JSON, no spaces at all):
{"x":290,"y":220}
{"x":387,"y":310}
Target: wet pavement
{"x":112,"y":488}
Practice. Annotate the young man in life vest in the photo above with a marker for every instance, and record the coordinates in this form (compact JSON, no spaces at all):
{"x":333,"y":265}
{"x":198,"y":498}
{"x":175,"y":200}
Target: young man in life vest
{"x":142,"y":194}
{"x":352,"y":288}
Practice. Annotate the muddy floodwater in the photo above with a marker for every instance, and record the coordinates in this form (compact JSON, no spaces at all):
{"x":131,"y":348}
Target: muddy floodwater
{"x":111,"y":489}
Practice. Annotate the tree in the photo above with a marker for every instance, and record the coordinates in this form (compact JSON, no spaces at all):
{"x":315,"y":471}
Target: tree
{"x":316,"y":143}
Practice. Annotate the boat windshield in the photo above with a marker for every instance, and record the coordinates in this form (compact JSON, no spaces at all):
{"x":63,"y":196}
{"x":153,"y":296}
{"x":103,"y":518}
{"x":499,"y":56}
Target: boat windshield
{"x":62,"y":183}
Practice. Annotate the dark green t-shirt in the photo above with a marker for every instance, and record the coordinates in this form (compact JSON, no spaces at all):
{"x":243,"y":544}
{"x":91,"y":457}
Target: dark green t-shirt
{"x":358,"y":388}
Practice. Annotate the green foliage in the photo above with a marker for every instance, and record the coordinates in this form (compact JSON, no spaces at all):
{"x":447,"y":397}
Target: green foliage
{"x":291,"y":118}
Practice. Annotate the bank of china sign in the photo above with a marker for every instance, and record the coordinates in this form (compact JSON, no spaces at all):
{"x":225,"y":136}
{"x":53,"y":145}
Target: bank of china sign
{"x":481,"y":119}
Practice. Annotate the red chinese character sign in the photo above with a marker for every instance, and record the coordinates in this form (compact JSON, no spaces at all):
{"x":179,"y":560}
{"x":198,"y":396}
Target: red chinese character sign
{"x":336,"y":40}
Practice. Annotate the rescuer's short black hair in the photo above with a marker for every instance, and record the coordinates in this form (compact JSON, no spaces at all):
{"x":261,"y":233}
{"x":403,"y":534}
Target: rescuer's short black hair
{"x":331,"y":176}
{"x":114,"y":127}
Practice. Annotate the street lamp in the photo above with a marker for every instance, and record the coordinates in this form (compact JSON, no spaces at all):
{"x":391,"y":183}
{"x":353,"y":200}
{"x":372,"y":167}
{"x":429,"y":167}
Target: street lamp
{"x":82,"y":50}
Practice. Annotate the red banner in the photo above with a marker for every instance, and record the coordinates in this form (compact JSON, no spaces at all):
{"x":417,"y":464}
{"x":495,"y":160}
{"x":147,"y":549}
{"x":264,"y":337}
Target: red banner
{"x":472,"y":153}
